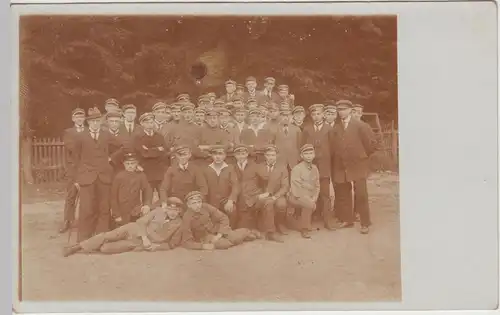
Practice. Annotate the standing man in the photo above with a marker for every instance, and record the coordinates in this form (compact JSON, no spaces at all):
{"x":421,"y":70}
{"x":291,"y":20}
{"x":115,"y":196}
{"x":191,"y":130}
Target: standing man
{"x":69,"y":138}
{"x":244,"y":169}
{"x":264,"y":190}
{"x":230,"y":91}
{"x":273,"y":118}
{"x":330,"y":114}
{"x":318,"y":135}
{"x":181,"y":177}
{"x":185,"y":132}
{"x":283,"y":92}
{"x":150,"y":149}
{"x":114,"y":122}
{"x":240,"y":115}
{"x":299,"y":114}
{"x":212,"y":97}
{"x":129,"y":128}
{"x":251,"y":92}
{"x":288,"y":140}
{"x":111,"y":105}
{"x":256,"y":137}
{"x":93,"y":176}
{"x":305,"y":188}
{"x":160,"y":115}
{"x":212,"y":134}
{"x":357,"y":111}
{"x":353,"y":141}
{"x":199,"y":117}
{"x":221,"y":184}
{"x":268,"y":93}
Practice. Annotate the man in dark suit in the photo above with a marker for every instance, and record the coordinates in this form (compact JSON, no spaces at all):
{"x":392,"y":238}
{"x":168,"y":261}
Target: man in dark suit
{"x":352,"y":142}
{"x":69,"y":137}
{"x":264,"y":190}
{"x":113,"y":120}
{"x":243,"y":168}
{"x":318,"y":135}
{"x":285,"y":96}
{"x":93,"y":176}
{"x":150,"y":149}
{"x":251,"y":93}
{"x":230,"y":91}
{"x":129,"y":128}
{"x":299,"y":114}
{"x":268,"y":93}
{"x":255,"y":137}
{"x":288,"y":139}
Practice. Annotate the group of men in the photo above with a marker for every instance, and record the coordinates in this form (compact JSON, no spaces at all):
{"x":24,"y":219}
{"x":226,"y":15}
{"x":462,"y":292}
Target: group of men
{"x":226,"y":170}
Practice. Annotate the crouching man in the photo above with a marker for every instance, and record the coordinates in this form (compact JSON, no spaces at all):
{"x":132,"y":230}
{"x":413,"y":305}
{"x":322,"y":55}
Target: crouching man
{"x":207,"y":228}
{"x":159,"y":229}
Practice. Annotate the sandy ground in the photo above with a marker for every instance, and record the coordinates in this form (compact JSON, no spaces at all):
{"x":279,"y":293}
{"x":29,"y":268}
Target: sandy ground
{"x":332,"y":266}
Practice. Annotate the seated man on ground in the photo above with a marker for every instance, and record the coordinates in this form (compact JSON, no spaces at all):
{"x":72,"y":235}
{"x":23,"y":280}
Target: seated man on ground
{"x":159,"y":229}
{"x":207,"y":228}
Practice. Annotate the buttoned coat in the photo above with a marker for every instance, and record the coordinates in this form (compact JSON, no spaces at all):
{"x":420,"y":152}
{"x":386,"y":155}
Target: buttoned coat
{"x":288,"y":145}
{"x":351,"y":149}
{"x":151,"y":158}
{"x":258,"y":180}
{"x":69,"y":139}
{"x":321,"y":142}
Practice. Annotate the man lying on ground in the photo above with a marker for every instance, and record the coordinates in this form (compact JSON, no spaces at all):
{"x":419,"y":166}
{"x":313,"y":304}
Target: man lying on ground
{"x":159,"y":229}
{"x":205,"y":227}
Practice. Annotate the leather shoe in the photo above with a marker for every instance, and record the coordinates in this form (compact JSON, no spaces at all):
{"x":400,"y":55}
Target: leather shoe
{"x":305,"y":234}
{"x":65,"y":226}
{"x":364,"y":230}
{"x":274,"y":237}
{"x":344,"y":225}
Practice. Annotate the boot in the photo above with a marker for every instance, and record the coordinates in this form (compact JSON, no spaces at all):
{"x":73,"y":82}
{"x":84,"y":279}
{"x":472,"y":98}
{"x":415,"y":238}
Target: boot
{"x":70,"y":250}
{"x":273,"y":236}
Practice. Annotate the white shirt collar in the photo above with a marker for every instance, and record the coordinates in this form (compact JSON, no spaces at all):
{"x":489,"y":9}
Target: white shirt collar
{"x":243,"y":164}
{"x":217,"y":170}
{"x":149,"y":134}
{"x":184,"y":167}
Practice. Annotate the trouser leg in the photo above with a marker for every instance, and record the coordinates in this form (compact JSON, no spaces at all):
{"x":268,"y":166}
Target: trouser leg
{"x":70,"y":201}
{"x":361,"y":203}
{"x":306,"y":209}
{"x":87,"y":216}
{"x":245,"y":216}
{"x":266,"y":215}
{"x":103,"y":209}
{"x":280,"y":208}
{"x":343,"y":201}
{"x":324,"y":200}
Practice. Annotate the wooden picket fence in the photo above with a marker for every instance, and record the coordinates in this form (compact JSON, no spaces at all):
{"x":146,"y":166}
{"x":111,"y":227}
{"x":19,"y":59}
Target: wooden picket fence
{"x":49,"y":156}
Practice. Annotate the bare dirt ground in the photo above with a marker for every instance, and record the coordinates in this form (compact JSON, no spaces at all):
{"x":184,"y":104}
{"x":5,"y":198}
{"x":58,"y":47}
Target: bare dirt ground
{"x":332,"y":266}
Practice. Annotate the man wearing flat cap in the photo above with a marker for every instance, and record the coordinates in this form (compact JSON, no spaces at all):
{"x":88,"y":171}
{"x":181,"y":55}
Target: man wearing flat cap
{"x":160,"y":229}
{"x":357,"y":111}
{"x":220,"y":183}
{"x":352,"y":142}
{"x":239,"y":124}
{"x":166,"y":129}
{"x":318,"y":135}
{"x":264,"y":191}
{"x":298,"y":116}
{"x":185,"y":132}
{"x":207,"y":228}
{"x":110,"y":105}
{"x":230,"y":91}
{"x":114,"y":121}
{"x":151,"y":150}
{"x":199,"y":117}
{"x":93,"y":176}
{"x":159,"y":111}
{"x":273,"y":114}
{"x":330,"y":114}
{"x":288,"y":139}
{"x":181,"y":177}
{"x":256,"y":137}
{"x":285,"y":96}
{"x":69,"y":138}
{"x":251,"y":92}
{"x":129,"y":128}
{"x":212,"y":134}
{"x":268,"y":92}
{"x":183,"y":97}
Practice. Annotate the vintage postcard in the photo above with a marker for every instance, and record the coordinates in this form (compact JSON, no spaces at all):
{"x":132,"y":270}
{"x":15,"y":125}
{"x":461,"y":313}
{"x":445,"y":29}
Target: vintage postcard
{"x":209,"y":157}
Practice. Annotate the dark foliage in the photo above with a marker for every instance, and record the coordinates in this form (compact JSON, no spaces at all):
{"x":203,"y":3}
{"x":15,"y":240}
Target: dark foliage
{"x":70,"y":61}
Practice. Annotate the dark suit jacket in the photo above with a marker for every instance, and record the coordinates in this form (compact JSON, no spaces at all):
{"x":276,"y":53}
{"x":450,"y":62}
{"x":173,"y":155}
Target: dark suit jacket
{"x":288,"y":145}
{"x":257,"y":180}
{"x":263,"y":138}
{"x":152,"y":159}
{"x":274,"y":97}
{"x":321,"y":142}
{"x":259,"y":97}
{"x":128,"y":138}
{"x":69,"y":138}
{"x":220,"y":188}
{"x":93,"y":157}
{"x":351,"y":150}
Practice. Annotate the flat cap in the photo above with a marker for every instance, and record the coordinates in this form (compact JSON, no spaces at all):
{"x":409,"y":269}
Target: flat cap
{"x":344,"y":104}
{"x":211,"y":112}
{"x":306,"y":147}
{"x":254,"y":111}
{"x":93,"y":113}
{"x":250,"y":79}
{"x":130,"y":156}
{"x":285,"y":109}
{"x":211,"y":94}
{"x":193,"y":195}
{"x":174,"y":202}
{"x":240,"y":109}
{"x":219,"y":102}
{"x":217,"y":148}
{"x":204,"y":98}
{"x":183,"y":97}
{"x":199,"y":110}
{"x":146,"y":116}
{"x":330,"y":108}
{"x":175,"y":106}
{"x":315,"y":107}
{"x":270,"y":80}
{"x":159,"y":105}
{"x":112,"y":102}
{"x":283,"y":87}
{"x":298,"y":109}
{"x":114,"y":113}
{"x":187,"y":106}
{"x":230,"y":82}
{"x":77,"y":111}
{"x":271,"y":148}
{"x":223,"y":111}
{"x":240,"y":148}
{"x":272,"y":106}
{"x":182,"y":149}
{"x":128,"y":106}
{"x":357,"y":106}
{"x":240,"y":87}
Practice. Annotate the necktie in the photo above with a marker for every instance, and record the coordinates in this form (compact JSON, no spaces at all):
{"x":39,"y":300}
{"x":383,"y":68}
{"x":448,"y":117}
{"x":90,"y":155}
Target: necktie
{"x":269,"y":168}
{"x":285,"y":129}
{"x":94,"y":135}
{"x":129,"y":130}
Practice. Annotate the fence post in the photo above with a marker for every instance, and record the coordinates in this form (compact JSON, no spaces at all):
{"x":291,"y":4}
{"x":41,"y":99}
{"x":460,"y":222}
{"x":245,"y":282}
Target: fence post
{"x":394,"y":144}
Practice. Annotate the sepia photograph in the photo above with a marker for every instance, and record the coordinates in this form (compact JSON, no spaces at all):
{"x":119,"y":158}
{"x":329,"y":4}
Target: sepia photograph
{"x":209,"y":158}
